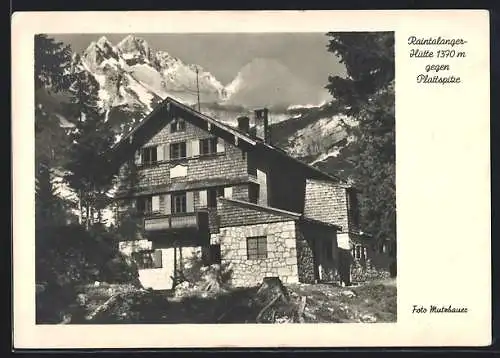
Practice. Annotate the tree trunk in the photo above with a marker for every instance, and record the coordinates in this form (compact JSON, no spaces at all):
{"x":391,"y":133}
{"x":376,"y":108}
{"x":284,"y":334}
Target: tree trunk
{"x":80,"y":207}
{"x":87,"y":219}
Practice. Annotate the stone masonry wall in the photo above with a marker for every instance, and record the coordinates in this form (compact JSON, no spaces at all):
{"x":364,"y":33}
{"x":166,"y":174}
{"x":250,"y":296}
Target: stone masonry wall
{"x":305,"y":258}
{"x":281,"y":258}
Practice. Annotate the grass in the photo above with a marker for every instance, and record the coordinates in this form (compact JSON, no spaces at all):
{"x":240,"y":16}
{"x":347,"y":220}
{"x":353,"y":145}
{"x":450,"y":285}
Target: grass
{"x":325,"y":303}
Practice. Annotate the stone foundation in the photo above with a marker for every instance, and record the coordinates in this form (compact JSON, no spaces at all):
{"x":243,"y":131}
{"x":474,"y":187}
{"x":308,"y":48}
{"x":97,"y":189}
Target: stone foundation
{"x":281,"y":258}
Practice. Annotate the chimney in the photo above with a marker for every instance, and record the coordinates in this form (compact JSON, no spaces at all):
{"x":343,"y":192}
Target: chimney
{"x":262,"y":124}
{"x":244,"y":124}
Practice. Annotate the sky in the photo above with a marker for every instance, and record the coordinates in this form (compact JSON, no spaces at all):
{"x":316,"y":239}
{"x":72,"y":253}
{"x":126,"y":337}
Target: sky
{"x":225,"y":54}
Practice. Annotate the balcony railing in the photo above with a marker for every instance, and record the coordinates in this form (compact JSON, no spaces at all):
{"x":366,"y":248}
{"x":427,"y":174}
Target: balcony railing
{"x":195,"y":220}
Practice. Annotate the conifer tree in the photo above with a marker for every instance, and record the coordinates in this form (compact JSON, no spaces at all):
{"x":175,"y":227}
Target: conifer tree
{"x":367,"y":96}
{"x":91,"y":138}
{"x":51,"y":60}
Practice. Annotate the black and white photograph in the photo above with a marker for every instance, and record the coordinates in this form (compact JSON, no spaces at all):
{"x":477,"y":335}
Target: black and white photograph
{"x":215,"y":178}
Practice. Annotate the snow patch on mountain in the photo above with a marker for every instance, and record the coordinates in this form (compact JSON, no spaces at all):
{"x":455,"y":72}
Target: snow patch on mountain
{"x":334,"y":152}
{"x":305,"y":106}
{"x":317,"y":137}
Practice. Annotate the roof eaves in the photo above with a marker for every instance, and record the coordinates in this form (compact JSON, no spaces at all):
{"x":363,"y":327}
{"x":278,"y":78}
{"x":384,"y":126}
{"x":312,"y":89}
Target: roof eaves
{"x":157,"y":109}
{"x":263,"y":208}
{"x":282,"y":152}
{"x":319,"y":222}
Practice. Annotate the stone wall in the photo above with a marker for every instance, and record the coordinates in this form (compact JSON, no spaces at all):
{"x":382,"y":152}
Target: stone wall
{"x":306,"y":264}
{"x":281,"y":258}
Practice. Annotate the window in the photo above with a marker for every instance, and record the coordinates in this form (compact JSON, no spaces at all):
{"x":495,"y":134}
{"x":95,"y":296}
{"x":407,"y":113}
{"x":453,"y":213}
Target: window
{"x":179,"y":203}
{"x":257,"y":247}
{"x":178,"y":125}
{"x":252,"y":165}
{"x":148,"y":204}
{"x":145,"y":205}
{"x":253,"y":193}
{"x":149,"y":155}
{"x":178,"y":150}
{"x":208,"y":146}
{"x":148,"y":259}
{"x":353,"y":205}
{"x":212,"y":195}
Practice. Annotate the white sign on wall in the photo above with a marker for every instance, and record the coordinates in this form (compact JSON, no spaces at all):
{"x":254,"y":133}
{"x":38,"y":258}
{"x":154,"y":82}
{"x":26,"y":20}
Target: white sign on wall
{"x":178,"y":171}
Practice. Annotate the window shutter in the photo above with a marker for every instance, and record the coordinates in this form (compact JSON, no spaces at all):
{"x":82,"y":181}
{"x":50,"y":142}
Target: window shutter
{"x":155,"y":203}
{"x":162,"y":203}
{"x":138,"y":157}
{"x":228,"y":192}
{"x":157,"y":259}
{"x":189,"y":202}
{"x":166,"y":151}
{"x":220,"y":145}
{"x":203,"y":198}
{"x":168,"y":204}
{"x":195,"y":147}
{"x":159,"y":153}
{"x":189,"y":150}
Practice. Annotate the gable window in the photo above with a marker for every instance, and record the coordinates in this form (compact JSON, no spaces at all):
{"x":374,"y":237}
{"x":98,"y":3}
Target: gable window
{"x":148,"y":259}
{"x":179,"y":203}
{"x":178,"y":150}
{"x":208,"y":146}
{"x":212,"y":195}
{"x":178,"y":125}
{"x":257,"y":247}
{"x":148,"y":155}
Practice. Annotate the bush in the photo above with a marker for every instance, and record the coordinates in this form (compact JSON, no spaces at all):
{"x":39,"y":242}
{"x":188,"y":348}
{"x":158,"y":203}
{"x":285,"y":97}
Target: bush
{"x":68,"y":256}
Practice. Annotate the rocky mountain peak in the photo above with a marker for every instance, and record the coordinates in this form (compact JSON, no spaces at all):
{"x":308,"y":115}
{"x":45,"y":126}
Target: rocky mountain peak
{"x":134,"y":49}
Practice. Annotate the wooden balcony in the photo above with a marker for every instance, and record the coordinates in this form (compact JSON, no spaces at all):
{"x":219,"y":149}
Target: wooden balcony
{"x":195,"y":221}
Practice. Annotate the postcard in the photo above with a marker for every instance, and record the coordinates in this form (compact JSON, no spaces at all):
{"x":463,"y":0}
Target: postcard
{"x":251,"y":179}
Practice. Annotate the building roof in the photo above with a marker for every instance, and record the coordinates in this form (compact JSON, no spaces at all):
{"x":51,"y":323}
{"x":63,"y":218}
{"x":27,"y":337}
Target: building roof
{"x":280,"y":212}
{"x":133,"y":138}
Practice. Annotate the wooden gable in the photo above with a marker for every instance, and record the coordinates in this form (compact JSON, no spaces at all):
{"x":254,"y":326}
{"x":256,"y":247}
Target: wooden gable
{"x":160,"y":117}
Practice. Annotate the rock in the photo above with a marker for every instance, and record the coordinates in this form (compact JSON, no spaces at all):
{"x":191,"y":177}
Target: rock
{"x":182,"y":289}
{"x":271,"y":287}
{"x":349,"y":293}
{"x":81,"y":298}
{"x":368,"y":318}
{"x":284,"y":319}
